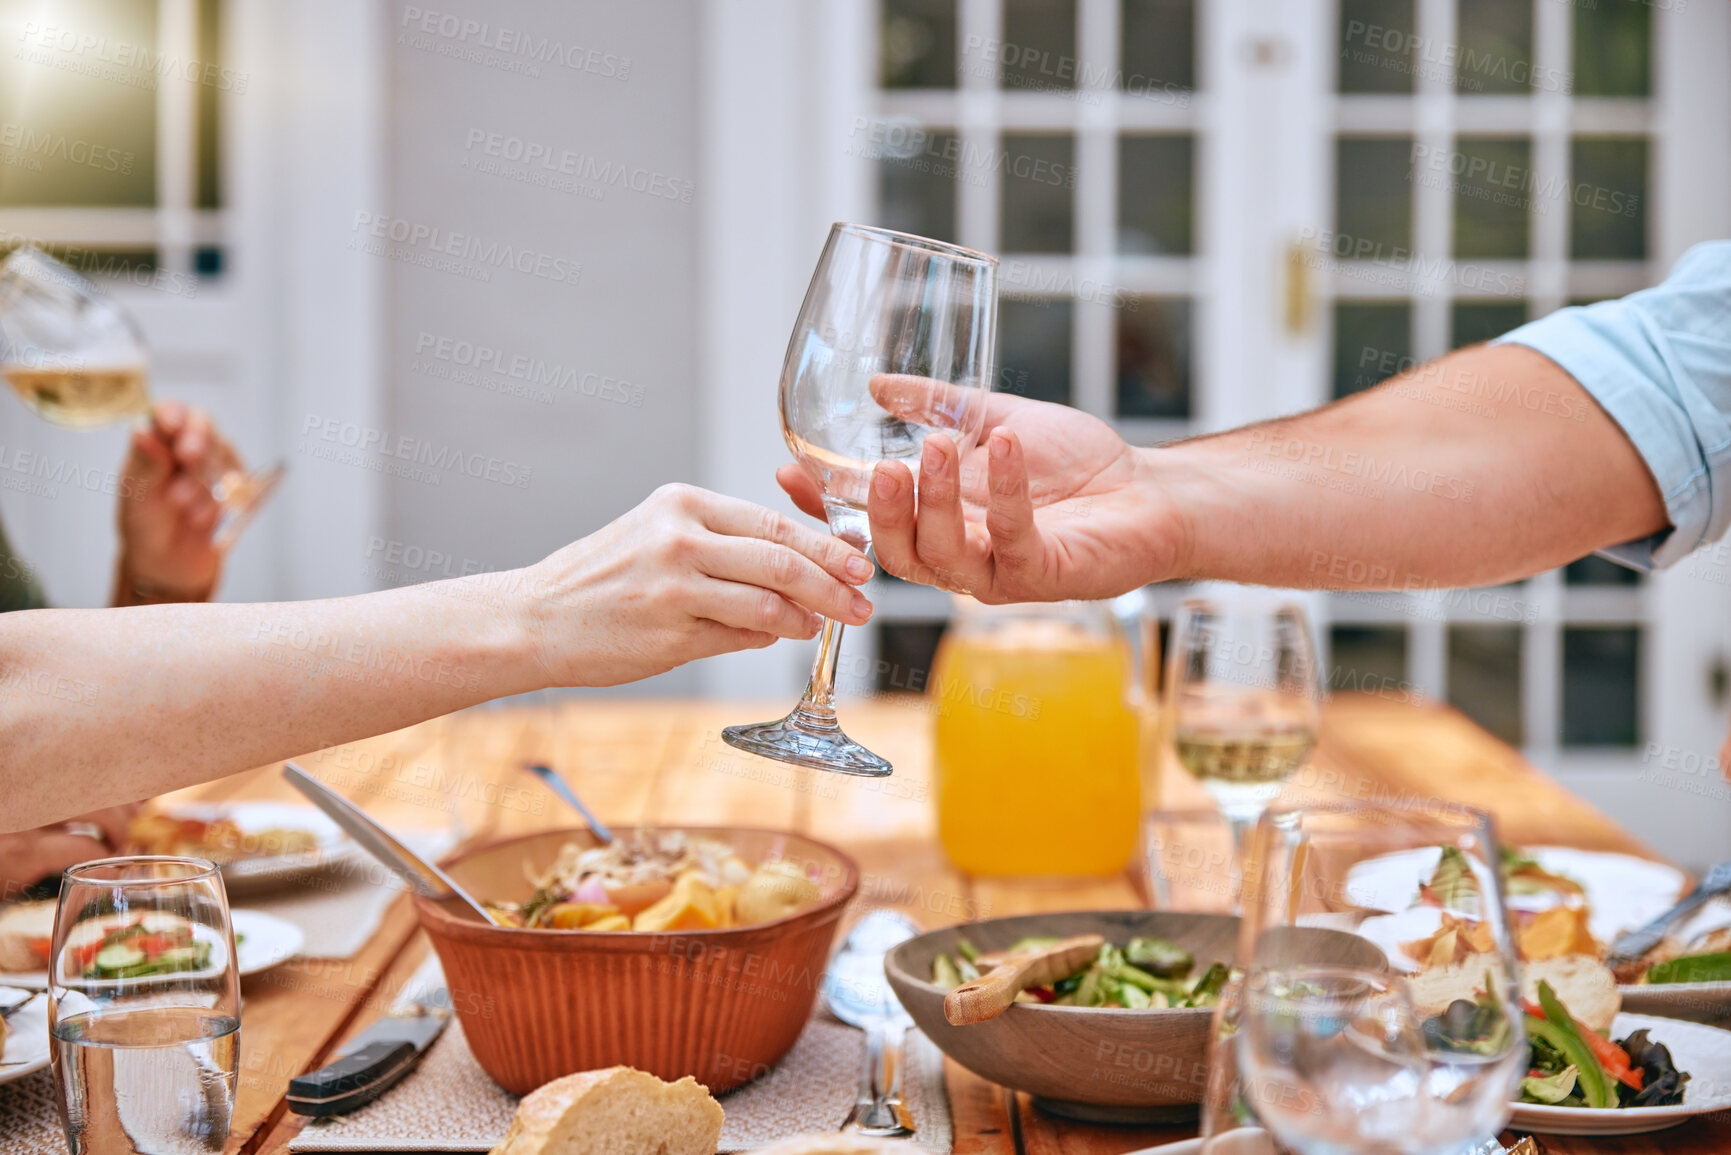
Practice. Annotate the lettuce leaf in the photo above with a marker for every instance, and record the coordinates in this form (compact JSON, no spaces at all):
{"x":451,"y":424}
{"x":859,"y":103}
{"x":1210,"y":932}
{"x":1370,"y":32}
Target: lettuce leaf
{"x":1549,"y":1088}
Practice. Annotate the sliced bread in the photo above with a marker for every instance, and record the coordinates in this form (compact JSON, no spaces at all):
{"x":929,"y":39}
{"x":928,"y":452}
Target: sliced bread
{"x":25,"y":931}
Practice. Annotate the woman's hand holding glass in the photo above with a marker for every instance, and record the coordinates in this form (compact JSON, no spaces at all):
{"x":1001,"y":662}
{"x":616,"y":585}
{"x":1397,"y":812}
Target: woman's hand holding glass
{"x":686,"y":575}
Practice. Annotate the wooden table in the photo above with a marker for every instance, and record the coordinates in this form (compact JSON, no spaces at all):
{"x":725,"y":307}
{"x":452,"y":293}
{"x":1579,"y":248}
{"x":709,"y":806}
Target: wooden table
{"x":664,"y":762}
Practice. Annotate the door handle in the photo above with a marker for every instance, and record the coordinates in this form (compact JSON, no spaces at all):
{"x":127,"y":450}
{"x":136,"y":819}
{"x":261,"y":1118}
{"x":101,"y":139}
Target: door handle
{"x":1299,"y":299}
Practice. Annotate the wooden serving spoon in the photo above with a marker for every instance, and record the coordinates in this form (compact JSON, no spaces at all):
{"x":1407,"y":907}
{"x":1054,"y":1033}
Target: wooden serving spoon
{"x":992,"y":993}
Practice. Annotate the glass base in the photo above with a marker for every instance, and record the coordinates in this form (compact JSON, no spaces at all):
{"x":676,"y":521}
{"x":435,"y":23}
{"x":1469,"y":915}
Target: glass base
{"x":241,"y":498}
{"x":811,"y":738}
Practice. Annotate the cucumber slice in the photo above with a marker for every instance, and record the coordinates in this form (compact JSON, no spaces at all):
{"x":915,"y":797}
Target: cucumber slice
{"x":183,"y":958}
{"x":118,"y":956}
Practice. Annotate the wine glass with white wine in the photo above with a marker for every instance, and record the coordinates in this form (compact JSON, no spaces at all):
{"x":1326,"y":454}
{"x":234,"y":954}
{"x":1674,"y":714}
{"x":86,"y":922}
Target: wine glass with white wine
{"x":1245,"y":699}
{"x":893,"y":344}
{"x":74,"y":355}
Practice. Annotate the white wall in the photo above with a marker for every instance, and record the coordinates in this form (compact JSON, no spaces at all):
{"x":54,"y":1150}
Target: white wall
{"x":781,"y":81}
{"x":615,"y":411}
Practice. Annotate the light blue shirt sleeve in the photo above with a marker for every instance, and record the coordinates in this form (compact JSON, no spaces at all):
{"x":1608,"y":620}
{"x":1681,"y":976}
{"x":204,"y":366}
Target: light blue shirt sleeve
{"x":1659,"y":362}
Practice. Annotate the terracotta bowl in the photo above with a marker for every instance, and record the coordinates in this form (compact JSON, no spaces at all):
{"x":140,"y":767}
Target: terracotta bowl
{"x":719,"y":1005}
{"x":1101,"y":1065}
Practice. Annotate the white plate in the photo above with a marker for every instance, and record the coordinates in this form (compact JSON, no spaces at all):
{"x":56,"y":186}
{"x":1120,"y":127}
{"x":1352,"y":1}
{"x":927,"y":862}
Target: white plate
{"x":1704,"y":1052}
{"x":26,"y":1036}
{"x":1623,"y":892}
{"x":265,"y":941}
{"x":250,"y":875}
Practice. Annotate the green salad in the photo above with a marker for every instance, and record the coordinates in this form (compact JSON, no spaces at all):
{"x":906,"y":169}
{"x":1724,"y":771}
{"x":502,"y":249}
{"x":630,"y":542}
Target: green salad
{"x":1143,"y":974}
{"x":135,"y":950}
{"x":1693,"y":968}
{"x":1572,"y":1066}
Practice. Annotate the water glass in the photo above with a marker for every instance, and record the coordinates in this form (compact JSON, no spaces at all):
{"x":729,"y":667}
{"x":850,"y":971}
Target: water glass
{"x":1323,"y":1044}
{"x":144,"y":1007}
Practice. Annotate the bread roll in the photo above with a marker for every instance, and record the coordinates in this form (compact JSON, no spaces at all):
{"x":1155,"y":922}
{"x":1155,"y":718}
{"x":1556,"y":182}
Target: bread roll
{"x":616,"y":1111}
{"x":1434,"y":988}
{"x":1586,"y":988}
{"x":1582,"y":982}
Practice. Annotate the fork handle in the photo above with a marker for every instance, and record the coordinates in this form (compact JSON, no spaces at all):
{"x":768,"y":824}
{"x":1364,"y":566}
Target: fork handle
{"x":1638,"y":942}
{"x":879,"y":1113}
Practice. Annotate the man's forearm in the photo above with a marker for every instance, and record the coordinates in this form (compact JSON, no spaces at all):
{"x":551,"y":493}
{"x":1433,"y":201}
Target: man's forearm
{"x":104,"y":706}
{"x":1484,"y":466}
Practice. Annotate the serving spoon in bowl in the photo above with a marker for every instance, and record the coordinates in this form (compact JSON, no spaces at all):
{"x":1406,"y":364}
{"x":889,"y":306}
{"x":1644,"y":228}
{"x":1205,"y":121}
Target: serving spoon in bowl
{"x":550,"y":778}
{"x":1006,"y":974}
{"x":421,"y":876}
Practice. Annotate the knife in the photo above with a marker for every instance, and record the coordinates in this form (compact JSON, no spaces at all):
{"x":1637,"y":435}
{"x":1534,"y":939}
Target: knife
{"x":423,"y":877}
{"x":1633,"y":944}
{"x":374,"y":1061}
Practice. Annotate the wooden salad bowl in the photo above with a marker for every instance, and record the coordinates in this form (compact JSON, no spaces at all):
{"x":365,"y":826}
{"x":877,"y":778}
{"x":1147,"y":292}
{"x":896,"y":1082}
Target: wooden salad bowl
{"x":1095,"y":1064}
{"x":719,"y":1005}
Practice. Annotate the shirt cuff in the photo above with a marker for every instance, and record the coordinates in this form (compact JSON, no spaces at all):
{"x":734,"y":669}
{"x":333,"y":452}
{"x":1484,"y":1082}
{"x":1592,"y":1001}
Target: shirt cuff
{"x":1653,"y":421}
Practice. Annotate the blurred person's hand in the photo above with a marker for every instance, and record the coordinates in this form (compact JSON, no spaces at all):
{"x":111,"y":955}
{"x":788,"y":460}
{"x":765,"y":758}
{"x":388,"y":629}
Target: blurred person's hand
{"x":167,"y":514}
{"x":1051,"y":504}
{"x":32,"y":856}
{"x":687,"y":574}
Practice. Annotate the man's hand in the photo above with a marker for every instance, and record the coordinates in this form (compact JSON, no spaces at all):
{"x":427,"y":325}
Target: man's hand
{"x":1052,"y":504}
{"x":167,"y":514}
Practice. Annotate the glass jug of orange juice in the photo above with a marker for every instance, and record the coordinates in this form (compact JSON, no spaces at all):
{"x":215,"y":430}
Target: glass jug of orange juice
{"x":1036,"y":764}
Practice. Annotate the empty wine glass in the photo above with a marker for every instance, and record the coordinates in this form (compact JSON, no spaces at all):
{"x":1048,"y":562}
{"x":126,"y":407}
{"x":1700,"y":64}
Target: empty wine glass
{"x":144,"y":1007}
{"x":893,"y":344}
{"x":75,"y":357}
{"x":1245,"y":700}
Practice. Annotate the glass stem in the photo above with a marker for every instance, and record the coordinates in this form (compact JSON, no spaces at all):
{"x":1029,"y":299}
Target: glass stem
{"x":1240,"y":828}
{"x":819,"y":696}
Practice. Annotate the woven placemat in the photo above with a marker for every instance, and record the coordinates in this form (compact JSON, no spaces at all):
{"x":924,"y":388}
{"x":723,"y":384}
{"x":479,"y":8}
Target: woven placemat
{"x":339,"y":909}
{"x":449,"y":1103}
{"x":30,"y":1117}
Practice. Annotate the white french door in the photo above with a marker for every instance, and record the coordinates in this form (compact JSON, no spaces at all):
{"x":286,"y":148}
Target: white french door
{"x":1214,"y":211}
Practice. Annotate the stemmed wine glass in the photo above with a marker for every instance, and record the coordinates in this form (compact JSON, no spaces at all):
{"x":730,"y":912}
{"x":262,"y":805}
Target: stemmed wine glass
{"x":893,"y":344}
{"x":1338,"y":1038}
{"x":75,"y":356}
{"x":1245,"y":700}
